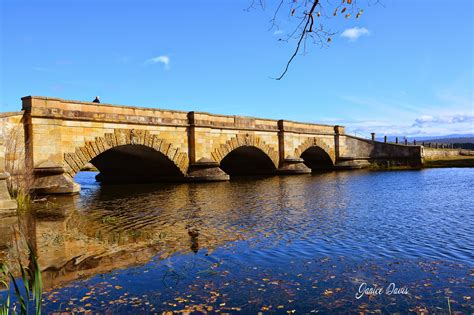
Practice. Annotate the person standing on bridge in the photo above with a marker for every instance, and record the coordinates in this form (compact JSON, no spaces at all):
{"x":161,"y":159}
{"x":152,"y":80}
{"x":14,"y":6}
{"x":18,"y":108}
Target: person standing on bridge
{"x":96,"y":100}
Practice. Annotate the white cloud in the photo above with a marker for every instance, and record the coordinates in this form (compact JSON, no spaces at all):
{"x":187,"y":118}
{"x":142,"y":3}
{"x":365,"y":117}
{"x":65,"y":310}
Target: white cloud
{"x":445,"y":119}
{"x":424,"y":125}
{"x":165,"y":60}
{"x":354,"y":33}
{"x":278,"y":32}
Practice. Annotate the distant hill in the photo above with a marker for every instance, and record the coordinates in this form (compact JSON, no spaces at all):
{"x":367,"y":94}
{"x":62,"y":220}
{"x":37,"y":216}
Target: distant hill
{"x":456,"y":142}
{"x":454,"y":138}
{"x":451,"y":140}
{"x":465,"y":141}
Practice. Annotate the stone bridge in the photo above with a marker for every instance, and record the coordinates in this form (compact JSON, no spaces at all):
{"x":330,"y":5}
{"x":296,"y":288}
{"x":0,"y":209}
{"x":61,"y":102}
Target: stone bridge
{"x":134,"y":144}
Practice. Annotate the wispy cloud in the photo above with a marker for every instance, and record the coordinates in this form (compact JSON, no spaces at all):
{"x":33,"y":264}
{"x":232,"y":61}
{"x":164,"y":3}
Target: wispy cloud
{"x":165,"y":60}
{"x":385,"y":106}
{"x":445,"y":119}
{"x":352,"y":34}
{"x":278,"y":32}
{"x":424,"y":125}
{"x":392,"y":115}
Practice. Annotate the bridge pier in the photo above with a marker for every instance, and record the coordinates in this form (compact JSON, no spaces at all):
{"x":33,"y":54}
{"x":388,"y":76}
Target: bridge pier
{"x":53,"y":180}
{"x":292,"y":165}
{"x":206,"y":170}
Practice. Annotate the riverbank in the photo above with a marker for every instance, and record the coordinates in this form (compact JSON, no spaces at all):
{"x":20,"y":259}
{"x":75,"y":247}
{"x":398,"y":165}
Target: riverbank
{"x":434,"y":157}
{"x":450,"y":161}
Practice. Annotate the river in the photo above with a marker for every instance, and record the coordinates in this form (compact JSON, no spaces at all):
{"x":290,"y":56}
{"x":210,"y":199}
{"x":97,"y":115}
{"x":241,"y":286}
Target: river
{"x":282,"y":244}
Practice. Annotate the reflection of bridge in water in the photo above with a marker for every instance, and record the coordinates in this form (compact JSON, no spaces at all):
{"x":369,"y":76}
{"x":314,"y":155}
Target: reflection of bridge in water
{"x":129,"y":144}
{"x":118,"y":226}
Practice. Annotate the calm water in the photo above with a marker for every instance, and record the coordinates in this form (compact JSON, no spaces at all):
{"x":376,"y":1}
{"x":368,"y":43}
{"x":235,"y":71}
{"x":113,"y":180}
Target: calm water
{"x":278,"y":244}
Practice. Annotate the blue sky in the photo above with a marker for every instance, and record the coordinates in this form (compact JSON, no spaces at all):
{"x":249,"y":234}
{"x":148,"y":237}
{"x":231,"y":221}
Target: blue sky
{"x":403,"y":68}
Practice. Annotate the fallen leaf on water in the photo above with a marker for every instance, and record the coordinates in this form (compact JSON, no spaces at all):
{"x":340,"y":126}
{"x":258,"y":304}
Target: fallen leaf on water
{"x":363,"y":306}
{"x":85,"y":298}
{"x":328,"y":292}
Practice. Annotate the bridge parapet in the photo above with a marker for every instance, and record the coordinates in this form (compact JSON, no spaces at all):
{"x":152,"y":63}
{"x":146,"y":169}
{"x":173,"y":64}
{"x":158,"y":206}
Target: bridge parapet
{"x":308,"y":128}
{"x":296,"y":138}
{"x":200,"y":119}
{"x":360,"y":152}
{"x":46,"y":107}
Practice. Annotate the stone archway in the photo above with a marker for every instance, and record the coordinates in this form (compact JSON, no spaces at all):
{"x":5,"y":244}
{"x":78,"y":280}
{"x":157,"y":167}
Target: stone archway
{"x":75,"y":161}
{"x":318,"y":144}
{"x":245,"y":140}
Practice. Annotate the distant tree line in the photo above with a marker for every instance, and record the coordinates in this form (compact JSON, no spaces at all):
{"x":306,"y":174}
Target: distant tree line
{"x":466,"y":146}
{"x":431,"y":144}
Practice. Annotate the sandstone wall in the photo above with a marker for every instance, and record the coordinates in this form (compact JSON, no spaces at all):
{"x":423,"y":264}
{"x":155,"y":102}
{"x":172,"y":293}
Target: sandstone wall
{"x":214,"y":136}
{"x":435,"y":154}
{"x":11,"y":156}
{"x":61,"y":126}
{"x":353,"y":147}
{"x":12,"y":131}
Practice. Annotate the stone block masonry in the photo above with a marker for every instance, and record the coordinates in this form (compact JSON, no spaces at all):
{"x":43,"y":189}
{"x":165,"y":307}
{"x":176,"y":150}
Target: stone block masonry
{"x":131,"y":144}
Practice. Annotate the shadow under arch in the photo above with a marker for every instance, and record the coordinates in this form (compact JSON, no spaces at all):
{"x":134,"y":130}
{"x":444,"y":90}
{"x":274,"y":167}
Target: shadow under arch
{"x":129,"y":156}
{"x":247,"y":160}
{"x":316,"y":154}
{"x":134,"y":164}
{"x":246,"y":155}
{"x":317,"y":159}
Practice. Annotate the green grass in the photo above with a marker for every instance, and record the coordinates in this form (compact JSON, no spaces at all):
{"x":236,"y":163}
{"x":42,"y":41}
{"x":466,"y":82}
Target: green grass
{"x":108,"y":219}
{"x":30,"y":291}
{"x":23,"y":200}
{"x":455,"y":161}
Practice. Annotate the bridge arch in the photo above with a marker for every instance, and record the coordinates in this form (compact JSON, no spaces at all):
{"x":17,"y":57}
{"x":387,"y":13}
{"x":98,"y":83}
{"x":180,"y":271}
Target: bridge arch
{"x":316,"y":153}
{"x":246,"y":154}
{"x":122,"y":142}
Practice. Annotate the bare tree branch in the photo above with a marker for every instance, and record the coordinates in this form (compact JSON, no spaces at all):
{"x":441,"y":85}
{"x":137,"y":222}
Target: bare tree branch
{"x":310,"y":13}
{"x":309,"y":21}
